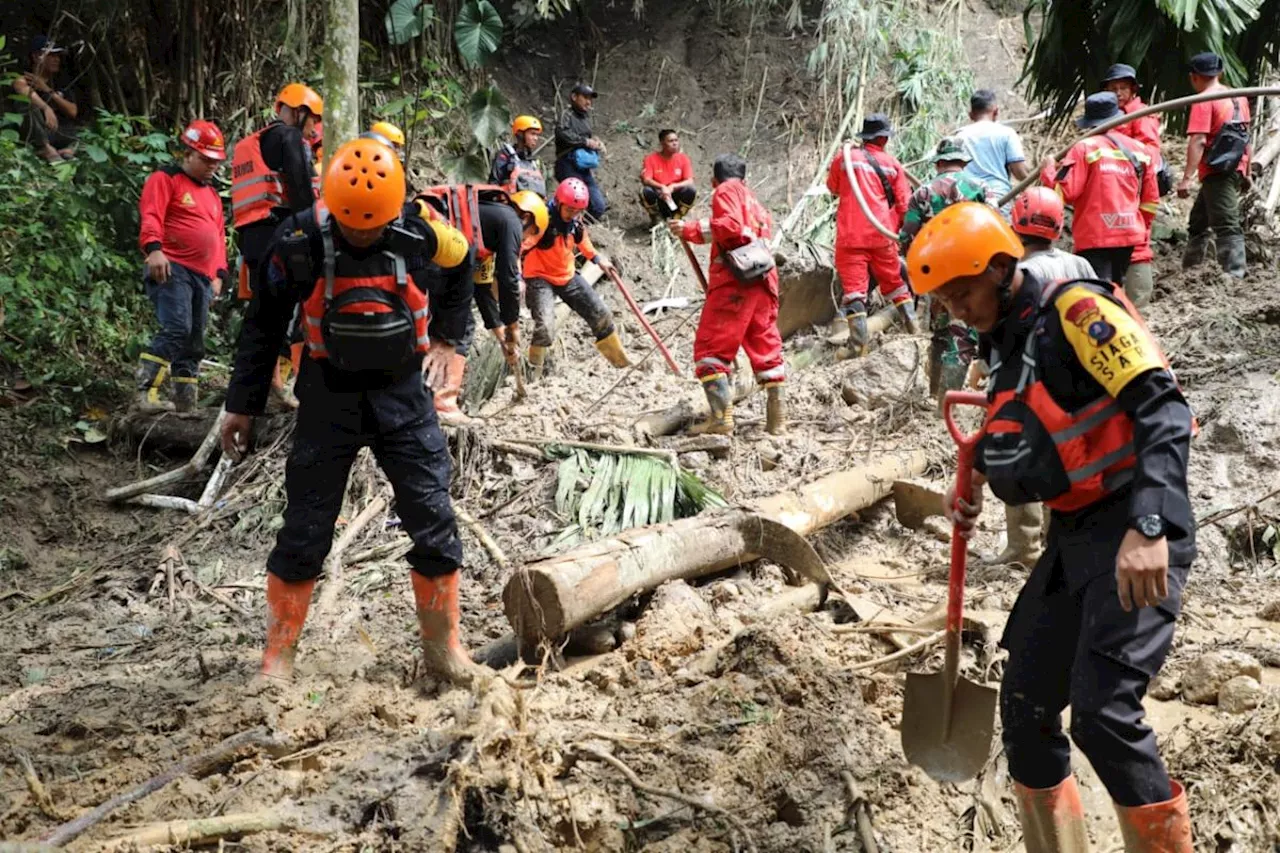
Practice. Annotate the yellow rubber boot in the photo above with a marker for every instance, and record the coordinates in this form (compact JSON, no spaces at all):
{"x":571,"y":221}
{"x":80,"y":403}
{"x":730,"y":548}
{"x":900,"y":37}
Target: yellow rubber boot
{"x":611,"y":349}
{"x":720,"y":400}
{"x":537,"y":360}
{"x":775,"y":415}
{"x":1052,"y":818}
{"x":151,"y":374}
{"x":436,"y":602}
{"x":1158,"y":827}
{"x":287,"y":606}
{"x":186,"y":392}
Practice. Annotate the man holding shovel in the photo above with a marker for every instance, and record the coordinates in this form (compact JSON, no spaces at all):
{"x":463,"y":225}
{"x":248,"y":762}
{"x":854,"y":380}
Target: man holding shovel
{"x":1085,"y":415}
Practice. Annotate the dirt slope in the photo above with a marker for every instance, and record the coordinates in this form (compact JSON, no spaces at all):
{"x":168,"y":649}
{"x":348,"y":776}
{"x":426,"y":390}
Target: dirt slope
{"x":107,"y":683}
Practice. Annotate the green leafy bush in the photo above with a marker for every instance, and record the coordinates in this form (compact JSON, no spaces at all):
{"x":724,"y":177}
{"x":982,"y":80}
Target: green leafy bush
{"x":72,"y":305}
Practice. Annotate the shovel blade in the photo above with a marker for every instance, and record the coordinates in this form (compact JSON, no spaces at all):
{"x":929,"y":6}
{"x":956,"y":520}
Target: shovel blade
{"x":956,"y":754}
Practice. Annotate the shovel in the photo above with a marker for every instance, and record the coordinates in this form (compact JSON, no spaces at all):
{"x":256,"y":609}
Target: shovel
{"x":948,"y":721}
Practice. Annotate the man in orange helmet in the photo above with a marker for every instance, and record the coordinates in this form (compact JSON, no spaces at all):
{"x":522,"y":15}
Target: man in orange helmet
{"x":348,"y":265}
{"x":516,"y":165}
{"x":1085,"y":415}
{"x":271,"y":177}
{"x":184,"y":238}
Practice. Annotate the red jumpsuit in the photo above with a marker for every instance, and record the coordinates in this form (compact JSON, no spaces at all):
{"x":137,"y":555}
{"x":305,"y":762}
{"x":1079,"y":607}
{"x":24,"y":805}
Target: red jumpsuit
{"x":861,"y":250}
{"x":736,"y":314}
{"x":1147,"y":131}
{"x":1113,"y":208}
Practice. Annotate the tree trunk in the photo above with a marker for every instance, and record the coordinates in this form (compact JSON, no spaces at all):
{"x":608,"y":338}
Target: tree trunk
{"x":548,"y":598}
{"x":341,"y":74}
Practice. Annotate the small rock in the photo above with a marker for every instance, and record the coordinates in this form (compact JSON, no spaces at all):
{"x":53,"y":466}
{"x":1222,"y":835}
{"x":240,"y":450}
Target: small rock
{"x":990,"y":602}
{"x":1164,"y":687}
{"x":1204,"y":678}
{"x":1270,"y":612}
{"x":626,"y":631}
{"x":698,"y":460}
{"x":1240,"y":694}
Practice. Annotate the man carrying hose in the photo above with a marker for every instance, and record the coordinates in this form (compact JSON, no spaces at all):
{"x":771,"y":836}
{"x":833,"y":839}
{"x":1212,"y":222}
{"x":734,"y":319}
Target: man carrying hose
{"x":1084,"y":415}
{"x":862,"y":250}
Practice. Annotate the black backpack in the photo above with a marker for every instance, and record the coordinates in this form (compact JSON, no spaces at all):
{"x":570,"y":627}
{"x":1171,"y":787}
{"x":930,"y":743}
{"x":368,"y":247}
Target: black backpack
{"x":1227,"y":149}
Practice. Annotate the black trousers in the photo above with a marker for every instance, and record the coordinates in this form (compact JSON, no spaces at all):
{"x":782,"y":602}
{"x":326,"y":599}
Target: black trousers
{"x":399,"y":423}
{"x":1109,"y":264}
{"x":684,"y":198}
{"x":1070,"y":643}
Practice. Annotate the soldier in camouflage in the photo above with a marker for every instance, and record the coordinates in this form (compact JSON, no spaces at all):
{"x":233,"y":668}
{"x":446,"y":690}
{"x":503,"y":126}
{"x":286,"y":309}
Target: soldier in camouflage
{"x":952,"y":345}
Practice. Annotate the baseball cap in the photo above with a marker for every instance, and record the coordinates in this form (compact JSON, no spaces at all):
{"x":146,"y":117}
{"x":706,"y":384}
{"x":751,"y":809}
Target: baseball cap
{"x":44,"y":44}
{"x":1208,"y":64}
{"x":585,"y":89}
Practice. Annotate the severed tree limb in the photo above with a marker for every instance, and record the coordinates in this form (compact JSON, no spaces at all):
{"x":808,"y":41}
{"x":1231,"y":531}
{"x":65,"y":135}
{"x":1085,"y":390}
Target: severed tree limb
{"x":216,"y":481}
{"x":490,"y":544}
{"x":394,"y":549}
{"x":859,"y":813}
{"x":180,"y":833}
{"x":875,"y":663}
{"x":660,"y":452}
{"x":332,"y":568}
{"x":194,"y":466}
{"x":38,"y":791}
{"x":166,"y":502}
{"x":698,"y":803}
{"x":73,"y":829}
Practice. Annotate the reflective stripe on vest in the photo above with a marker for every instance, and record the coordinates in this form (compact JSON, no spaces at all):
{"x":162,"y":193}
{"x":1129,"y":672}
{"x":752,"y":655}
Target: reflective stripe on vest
{"x":329,"y":284}
{"x":256,"y":190}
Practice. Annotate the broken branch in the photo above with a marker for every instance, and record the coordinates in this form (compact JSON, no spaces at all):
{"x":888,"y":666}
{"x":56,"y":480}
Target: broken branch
{"x":901,"y":653}
{"x":199,"y":831}
{"x":194,"y":466}
{"x":489,"y":543}
{"x":332,"y":568}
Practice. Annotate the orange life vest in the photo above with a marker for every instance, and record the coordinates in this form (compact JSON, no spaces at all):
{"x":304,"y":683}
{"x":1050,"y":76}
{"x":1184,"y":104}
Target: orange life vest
{"x":460,"y":206}
{"x":256,"y":190}
{"x":1035,"y":450}
{"x":364,"y":314}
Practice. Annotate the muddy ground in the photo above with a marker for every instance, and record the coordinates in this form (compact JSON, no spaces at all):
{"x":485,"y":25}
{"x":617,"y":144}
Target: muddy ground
{"x":111,"y":673}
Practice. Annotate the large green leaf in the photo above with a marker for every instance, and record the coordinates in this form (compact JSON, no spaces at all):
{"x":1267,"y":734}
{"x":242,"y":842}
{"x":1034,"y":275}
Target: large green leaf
{"x":407,"y":20}
{"x":489,"y":115}
{"x":469,"y":168}
{"x":478,"y":31}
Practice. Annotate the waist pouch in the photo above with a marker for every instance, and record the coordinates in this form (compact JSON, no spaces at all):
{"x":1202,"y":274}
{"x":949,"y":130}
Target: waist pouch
{"x":1021,"y":460}
{"x":751,"y":262}
{"x":1228,"y":147}
{"x":368,"y":328}
{"x":585,"y":159}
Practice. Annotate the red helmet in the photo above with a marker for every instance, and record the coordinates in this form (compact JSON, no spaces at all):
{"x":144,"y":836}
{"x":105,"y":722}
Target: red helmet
{"x":1038,"y":212}
{"x":204,"y":138}
{"x":572,"y":192}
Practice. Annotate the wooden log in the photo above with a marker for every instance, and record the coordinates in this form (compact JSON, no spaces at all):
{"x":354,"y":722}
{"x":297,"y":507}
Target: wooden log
{"x":208,"y":443}
{"x":172,"y":433}
{"x":547,"y":598}
{"x":198,"y":831}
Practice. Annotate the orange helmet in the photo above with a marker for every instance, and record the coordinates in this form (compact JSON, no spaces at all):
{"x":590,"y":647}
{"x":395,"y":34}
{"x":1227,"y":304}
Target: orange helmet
{"x":364,"y":187}
{"x":957,"y":243}
{"x":1039,"y":212}
{"x":523,"y":123}
{"x":300,"y":95}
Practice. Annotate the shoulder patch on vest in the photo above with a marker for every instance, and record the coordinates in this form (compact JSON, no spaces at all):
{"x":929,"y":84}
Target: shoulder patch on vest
{"x":1110,"y":344}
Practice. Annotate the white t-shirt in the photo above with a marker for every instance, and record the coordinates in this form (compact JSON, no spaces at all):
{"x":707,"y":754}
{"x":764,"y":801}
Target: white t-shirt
{"x":1057,"y":265}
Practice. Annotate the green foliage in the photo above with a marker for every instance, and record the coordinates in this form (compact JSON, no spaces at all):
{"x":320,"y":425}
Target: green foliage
{"x":1076,"y":43}
{"x":478,"y":31}
{"x":70,"y":272}
{"x":490,"y":115}
{"x":602,"y":494}
{"x":407,"y":20}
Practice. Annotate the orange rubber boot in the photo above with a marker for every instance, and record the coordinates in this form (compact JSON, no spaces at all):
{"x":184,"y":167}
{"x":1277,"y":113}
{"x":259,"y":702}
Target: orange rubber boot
{"x":436,"y":600}
{"x":446,"y":396}
{"x":1158,"y":827}
{"x":287,"y":605}
{"x":1052,"y":818}
{"x":295,"y":357}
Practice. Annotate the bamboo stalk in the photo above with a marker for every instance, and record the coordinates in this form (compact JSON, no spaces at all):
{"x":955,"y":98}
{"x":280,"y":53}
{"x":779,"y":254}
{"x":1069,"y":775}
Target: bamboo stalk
{"x":198,"y":831}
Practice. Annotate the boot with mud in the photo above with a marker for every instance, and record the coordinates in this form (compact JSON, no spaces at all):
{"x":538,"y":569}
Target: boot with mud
{"x":859,"y":337}
{"x":446,"y":398}
{"x":436,"y":602}
{"x":186,"y":393}
{"x":720,"y":400}
{"x":1158,"y":827}
{"x":287,"y":605}
{"x":775,"y":415}
{"x":1023,"y":524}
{"x":537,"y":361}
{"x":907,"y":311}
{"x":611,"y":348}
{"x":1197,"y":250}
{"x":1052,"y":818}
{"x":1231,"y":255}
{"x":151,"y":374}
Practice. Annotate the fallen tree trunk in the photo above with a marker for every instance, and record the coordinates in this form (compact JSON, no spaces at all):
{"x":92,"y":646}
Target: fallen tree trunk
{"x":169,"y":432}
{"x":546,"y":599}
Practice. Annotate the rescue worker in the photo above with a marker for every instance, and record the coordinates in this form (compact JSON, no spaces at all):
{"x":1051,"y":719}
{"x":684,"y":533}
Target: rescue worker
{"x":578,"y":149}
{"x":392,"y":136}
{"x":1218,"y":153}
{"x":184,"y":238}
{"x":996,"y":148}
{"x":360,"y":384}
{"x":861,"y":249}
{"x":1085,"y":415}
{"x":736,"y":314}
{"x":516,"y":166}
{"x":549,"y":272}
{"x":666,"y":180}
{"x":951,"y":344}
{"x":507,"y":225}
{"x":1110,"y":181}
{"x":271,"y":177}
{"x":1122,"y":81}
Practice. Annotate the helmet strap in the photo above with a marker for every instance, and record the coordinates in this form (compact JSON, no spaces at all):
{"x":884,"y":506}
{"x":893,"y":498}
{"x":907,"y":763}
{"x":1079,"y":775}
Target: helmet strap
{"x":1004,"y":293}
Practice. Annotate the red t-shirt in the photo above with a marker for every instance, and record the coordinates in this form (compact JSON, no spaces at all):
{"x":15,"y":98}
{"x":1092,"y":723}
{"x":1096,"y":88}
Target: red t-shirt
{"x":668,"y":170}
{"x":1208,"y":118}
{"x":185,"y":219}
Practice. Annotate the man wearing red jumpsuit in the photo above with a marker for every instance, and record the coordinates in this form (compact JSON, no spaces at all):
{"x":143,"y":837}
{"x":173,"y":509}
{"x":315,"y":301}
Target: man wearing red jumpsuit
{"x":1122,"y":81}
{"x":861,"y":249}
{"x":736,"y":314}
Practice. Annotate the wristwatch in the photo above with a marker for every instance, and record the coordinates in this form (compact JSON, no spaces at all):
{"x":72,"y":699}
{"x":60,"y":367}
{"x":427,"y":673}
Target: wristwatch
{"x":1150,"y":526}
